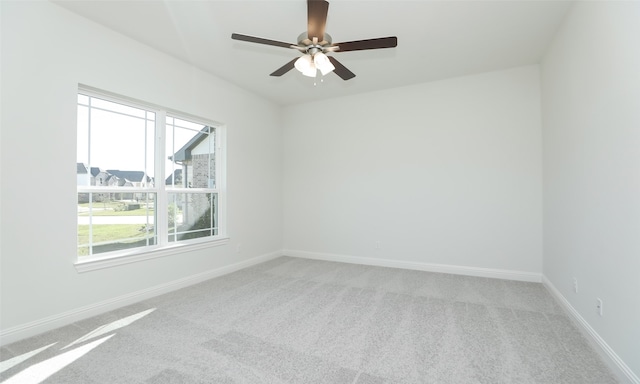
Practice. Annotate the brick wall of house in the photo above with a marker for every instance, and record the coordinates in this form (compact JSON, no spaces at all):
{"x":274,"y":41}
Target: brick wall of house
{"x":203,"y":169}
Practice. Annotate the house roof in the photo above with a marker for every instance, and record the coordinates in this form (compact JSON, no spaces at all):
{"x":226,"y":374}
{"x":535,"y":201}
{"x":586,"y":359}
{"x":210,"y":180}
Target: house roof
{"x":184,"y":153}
{"x":177,"y":174}
{"x":95,"y":171}
{"x":135,"y":176}
{"x":81,"y":169}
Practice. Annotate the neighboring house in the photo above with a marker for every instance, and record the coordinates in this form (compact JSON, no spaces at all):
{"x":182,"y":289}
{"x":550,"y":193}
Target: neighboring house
{"x":82,"y":174}
{"x":99,"y":177}
{"x":115,"y":181}
{"x":83,"y":178}
{"x":197,"y":160}
{"x":135,"y":178}
{"x":111,"y":178}
{"x":129,"y":179}
{"x":175,"y":178}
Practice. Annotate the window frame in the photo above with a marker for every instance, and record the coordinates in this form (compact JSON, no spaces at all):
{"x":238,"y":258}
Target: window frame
{"x":164,"y":247}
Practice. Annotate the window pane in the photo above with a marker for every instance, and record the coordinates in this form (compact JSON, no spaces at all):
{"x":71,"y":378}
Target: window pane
{"x":82,"y":99}
{"x":116,"y":107}
{"x":185,"y":124}
{"x":115,"y":221}
{"x":114,"y":149}
{"x":192,"y":215}
{"x":82,"y":147}
{"x":119,"y":142}
{"x":191,"y":159}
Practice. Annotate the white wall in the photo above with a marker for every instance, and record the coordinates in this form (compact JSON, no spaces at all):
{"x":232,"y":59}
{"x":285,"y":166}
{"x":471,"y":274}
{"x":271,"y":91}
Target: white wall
{"x":446,"y":172}
{"x":591,"y":131}
{"x":46,"y":52}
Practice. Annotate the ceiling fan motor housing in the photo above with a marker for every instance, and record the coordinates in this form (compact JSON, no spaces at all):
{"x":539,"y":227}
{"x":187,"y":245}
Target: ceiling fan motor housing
{"x":312,"y":46}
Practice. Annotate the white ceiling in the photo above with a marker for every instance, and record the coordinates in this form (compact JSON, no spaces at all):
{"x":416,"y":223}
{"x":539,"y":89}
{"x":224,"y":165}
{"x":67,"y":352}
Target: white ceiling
{"x":436,"y":39}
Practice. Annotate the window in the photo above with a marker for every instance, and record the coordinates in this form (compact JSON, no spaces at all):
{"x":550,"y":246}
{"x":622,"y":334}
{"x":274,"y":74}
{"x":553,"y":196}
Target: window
{"x":191,"y":191}
{"x":147,"y":178}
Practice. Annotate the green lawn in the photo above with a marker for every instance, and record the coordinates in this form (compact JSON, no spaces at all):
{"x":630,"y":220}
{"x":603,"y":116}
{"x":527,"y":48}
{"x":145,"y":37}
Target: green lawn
{"x":111,"y":232}
{"x":108,"y":204}
{"x":111,"y":212}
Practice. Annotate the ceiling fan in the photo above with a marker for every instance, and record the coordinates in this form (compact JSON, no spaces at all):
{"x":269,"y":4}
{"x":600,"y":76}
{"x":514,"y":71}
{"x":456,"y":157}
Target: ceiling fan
{"x":315,"y":44}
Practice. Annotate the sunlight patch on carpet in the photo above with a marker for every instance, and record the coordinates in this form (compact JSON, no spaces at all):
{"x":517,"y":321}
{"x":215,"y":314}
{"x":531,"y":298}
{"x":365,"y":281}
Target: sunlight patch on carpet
{"x":39,"y":372}
{"x":111,"y":327}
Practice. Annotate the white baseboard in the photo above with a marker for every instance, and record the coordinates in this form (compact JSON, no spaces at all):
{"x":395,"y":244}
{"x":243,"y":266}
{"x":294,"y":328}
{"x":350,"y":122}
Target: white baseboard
{"x":33,"y":328}
{"x":614,"y":361}
{"x":441,"y":268}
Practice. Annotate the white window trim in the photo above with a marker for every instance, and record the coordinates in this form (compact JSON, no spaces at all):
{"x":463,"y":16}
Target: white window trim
{"x":148,"y":253}
{"x":164,"y":248}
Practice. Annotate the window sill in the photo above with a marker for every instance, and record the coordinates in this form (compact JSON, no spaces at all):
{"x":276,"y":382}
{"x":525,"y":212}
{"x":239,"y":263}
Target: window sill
{"x":97,"y":263}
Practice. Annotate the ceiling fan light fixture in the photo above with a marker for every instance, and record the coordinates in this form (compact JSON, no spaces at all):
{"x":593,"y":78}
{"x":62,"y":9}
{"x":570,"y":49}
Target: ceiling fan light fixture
{"x":322,"y":63}
{"x":306,"y":66}
{"x":311,"y":72}
{"x":315,"y":42}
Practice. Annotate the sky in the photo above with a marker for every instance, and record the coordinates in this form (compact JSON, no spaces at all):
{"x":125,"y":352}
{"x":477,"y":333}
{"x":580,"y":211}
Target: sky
{"x":125,"y":140}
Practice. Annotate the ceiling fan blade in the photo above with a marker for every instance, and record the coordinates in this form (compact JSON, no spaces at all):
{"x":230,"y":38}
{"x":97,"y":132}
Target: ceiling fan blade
{"x":259,"y":40}
{"x":381,"y":42}
{"x":285,"y":68}
{"x":341,"y":70}
{"x":316,"y":18}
